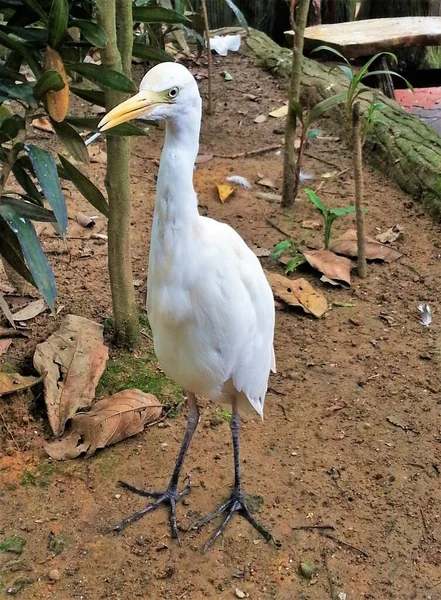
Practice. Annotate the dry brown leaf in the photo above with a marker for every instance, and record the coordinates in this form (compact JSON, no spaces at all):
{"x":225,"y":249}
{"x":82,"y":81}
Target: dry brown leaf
{"x":74,"y":358}
{"x":260,"y":119}
{"x":224,"y":191}
{"x":57,"y":102}
{"x":84,"y":220}
{"x":109,"y":421}
{"x":12,"y":383}
{"x":203,"y":158}
{"x":269,"y":183}
{"x":97,"y":155}
{"x":269,"y":197}
{"x":43,"y":124}
{"x":298,"y":292}
{"x":30,"y":311}
{"x":389,"y":236}
{"x":311,"y":225}
{"x":279,"y":112}
{"x":4,"y":345}
{"x":347,"y":246}
{"x":332,"y":266}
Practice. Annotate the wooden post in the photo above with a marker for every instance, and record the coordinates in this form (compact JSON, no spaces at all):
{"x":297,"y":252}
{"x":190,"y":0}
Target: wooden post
{"x":358,"y":183}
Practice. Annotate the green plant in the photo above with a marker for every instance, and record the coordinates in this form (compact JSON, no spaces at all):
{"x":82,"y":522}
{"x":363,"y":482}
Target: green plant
{"x":288,"y":246}
{"x":329,"y":214}
{"x":307,"y":118}
{"x":356,"y":87}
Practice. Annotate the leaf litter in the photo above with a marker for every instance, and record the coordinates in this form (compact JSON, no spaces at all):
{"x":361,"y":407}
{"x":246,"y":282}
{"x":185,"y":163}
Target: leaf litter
{"x":32,"y":310}
{"x":109,"y":421}
{"x":336,"y":269}
{"x":347,"y":246}
{"x":298,"y":292}
{"x":74,"y":357}
{"x":11,"y":383}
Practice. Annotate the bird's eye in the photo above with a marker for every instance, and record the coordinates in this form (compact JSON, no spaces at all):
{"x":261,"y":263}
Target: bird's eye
{"x":173,"y":92}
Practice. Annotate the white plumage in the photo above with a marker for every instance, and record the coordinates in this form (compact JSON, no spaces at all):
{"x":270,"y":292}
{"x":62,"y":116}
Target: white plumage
{"x":209,"y":304}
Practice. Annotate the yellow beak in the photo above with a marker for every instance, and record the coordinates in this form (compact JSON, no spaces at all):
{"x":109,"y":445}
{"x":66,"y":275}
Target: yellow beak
{"x":137,"y":106}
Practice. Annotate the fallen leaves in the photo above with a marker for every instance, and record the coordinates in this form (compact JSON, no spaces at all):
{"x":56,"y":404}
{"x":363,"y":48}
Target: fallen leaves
{"x":346,"y":245}
{"x":13,"y":383}
{"x":109,"y":421}
{"x":334,"y":268}
{"x":390,"y":236}
{"x":298,"y":292}
{"x":43,"y":124}
{"x":74,"y":358}
{"x":279,"y":112}
{"x":224,"y":191}
{"x":260,"y":119}
{"x":32,"y":310}
{"x":4,"y":345}
{"x":85,"y":220}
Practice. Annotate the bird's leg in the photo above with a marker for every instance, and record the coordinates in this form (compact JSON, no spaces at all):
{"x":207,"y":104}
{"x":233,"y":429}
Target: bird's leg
{"x":236,"y":502}
{"x":171,"y":495}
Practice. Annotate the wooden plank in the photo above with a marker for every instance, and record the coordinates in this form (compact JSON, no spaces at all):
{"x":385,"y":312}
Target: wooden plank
{"x":365,"y":38}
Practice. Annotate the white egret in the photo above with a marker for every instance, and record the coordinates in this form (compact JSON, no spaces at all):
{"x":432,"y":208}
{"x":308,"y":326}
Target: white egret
{"x":209,"y":304}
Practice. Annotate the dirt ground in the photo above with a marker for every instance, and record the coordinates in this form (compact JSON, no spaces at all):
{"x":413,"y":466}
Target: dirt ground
{"x":326,"y":453}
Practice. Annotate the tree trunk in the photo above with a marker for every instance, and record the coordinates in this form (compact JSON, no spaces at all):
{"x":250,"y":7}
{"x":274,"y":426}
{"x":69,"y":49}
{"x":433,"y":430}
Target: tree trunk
{"x":115,"y":16}
{"x":399,"y":144}
{"x":337,"y":11}
{"x":288,"y":193}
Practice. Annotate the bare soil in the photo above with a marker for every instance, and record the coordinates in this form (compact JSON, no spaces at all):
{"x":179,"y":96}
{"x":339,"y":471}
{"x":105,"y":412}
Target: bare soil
{"x":326,"y":452}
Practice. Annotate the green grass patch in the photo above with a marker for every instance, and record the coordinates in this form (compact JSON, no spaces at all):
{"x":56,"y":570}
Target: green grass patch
{"x":15,"y":545}
{"x":126,"y":371}
{"x":8,"y":367}
{"x":40,"y":476}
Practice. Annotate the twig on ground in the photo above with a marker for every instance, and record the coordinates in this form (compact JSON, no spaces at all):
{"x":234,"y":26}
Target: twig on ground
{"x":283,"y":409}
{"x":342,"y":543}
{"x":323,"y":160}
{"x":307,"y":527}
{"x":250,"y":152}
{"x":328,"y":575}
{"x":277,"y":228}
{"x":9,"y":431}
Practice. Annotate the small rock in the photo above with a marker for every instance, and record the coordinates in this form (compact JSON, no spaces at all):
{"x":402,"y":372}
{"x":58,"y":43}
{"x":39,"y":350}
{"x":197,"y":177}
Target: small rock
{"x":307,"y":569}
{"x":341,"y":596}
{"x":54,"y":575}
{"x":117,"y":496}
{"x":239,"y":593}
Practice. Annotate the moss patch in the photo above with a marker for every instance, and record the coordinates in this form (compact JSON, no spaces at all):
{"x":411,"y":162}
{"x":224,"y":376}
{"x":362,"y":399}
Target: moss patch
{"x":40,"y":476}
{"x":126,"y":371}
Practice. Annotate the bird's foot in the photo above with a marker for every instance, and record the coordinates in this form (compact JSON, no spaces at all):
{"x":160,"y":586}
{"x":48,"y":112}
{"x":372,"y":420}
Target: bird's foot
{"x":170,"y":496}
{"x":236,"y":503}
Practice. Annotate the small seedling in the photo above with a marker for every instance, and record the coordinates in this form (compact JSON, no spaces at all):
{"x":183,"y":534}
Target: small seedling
{"x":284,"y":247}
{"x":329,"y":214}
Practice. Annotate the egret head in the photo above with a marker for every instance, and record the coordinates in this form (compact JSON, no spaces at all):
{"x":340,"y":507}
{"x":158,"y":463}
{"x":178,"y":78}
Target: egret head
{"x":166,"y":92}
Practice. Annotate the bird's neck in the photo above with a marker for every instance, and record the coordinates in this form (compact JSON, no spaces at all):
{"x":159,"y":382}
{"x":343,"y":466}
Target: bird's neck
{"x":176,"y":201}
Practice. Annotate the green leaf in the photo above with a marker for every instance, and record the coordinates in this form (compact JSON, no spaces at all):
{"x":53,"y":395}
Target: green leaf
{"x":320,"y":108}
{"x":17,"y":91}
{"x":293,"y":263}
{"x":392,"y":73}
{"x":91,"y":124}
{"x":158,"y":14}
{"x":50,"y":81}
{"x":316,"y":201}
{"x":34,"y":255}
{"x":10,"y":126}
{"x":347,"y":71}
{"x":93,"y":96}
{"x":313,"y":134}
{"x":238,"y":14}
{"x":26,"y":209}
{"x":334,"y":51}
{"x":151,"y":53}
{"x":71,"y":140}
{"x":103,"y":77}
{"x":58,"y":19}
{"x":13,"y":44}
{"x":6,"y":311}
{"x":298,"y":109}
{"x":36,"y":7}
{"x":280,"y":249}
{"x":93,"y":32}
{"x":7,"y":73}
{"x":340,"y":212}
{"x":366,"y":65}
{"x":46,"y":171}
{"x":11,"y":251}
{"x":85,"y":187}
{"x":26,"y":183}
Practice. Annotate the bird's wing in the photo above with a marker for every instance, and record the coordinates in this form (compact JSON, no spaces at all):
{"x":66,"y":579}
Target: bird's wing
{"x":249,"y":326}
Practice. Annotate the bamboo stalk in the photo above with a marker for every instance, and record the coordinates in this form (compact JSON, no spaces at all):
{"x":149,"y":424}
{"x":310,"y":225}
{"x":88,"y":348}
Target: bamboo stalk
{"x":358,"y":183}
